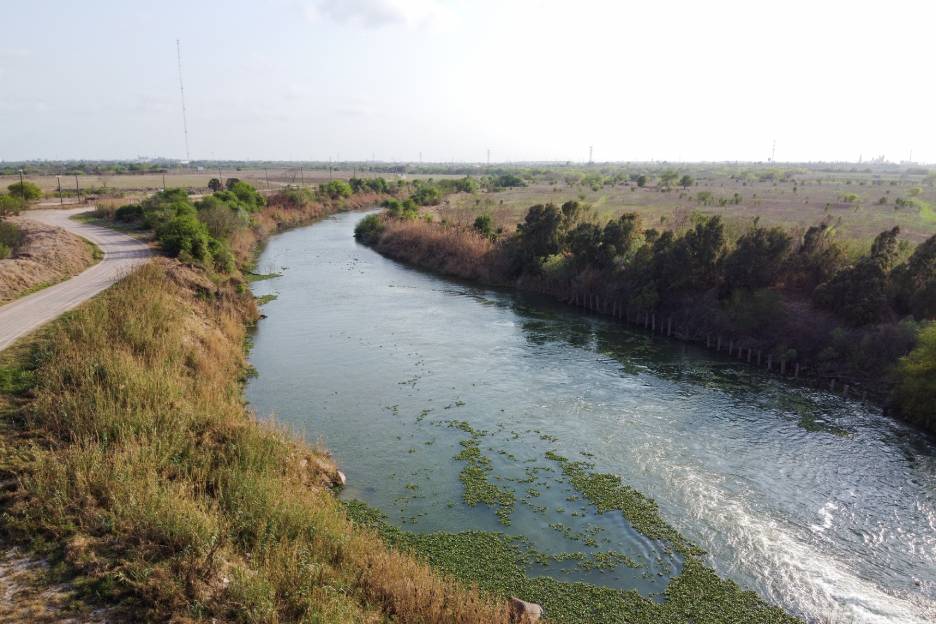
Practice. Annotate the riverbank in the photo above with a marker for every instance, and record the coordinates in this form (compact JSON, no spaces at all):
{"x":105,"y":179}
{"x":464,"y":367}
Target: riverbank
{"x":771,"y":329}
{"x":133,"y":465}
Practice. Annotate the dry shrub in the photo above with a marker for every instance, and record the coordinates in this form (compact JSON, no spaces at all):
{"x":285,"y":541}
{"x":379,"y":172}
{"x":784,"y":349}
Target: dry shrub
{"x":457,"y":251}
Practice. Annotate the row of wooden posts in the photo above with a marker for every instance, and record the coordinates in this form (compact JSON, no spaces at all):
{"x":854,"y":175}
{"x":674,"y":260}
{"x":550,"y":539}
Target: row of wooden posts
{"x":754,"y":357}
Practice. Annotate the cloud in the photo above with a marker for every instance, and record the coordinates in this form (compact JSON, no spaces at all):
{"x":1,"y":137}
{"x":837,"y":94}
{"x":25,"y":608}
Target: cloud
{"x":379,"y":13}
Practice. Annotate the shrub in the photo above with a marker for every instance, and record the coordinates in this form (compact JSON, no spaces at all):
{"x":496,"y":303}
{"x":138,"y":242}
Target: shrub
{"x":221,"y":218}
{"x":129,"y":213}
{"x":484,"y":225}
{"x":10,"y":239}
{"x":11,"y":205}
{"x":427,"y":195}
{"x":25,"y":190}
{"x":336,"y":189}
{"x":185,"y":236}
{"x":915,"y":393}
{"x":369,"y":229}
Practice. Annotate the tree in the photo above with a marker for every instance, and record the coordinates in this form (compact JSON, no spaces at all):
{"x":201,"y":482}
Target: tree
{"x":915,"y":281}
{"x":619,"y":239}
{"x":641,"y":181}
{"x":667,"y":178}
{"x":859,"y":294}
{"x":214,"y":185}
{"x":758,"y":258}
{"x":336,"y":189}
{"x":584,"y":242}
{"x":25,"y":190}
{"x":230,"y":182}
{"x":915,"y":393}
{"x":185,"y":236}
{"x":539,"y":233}
{"x":686,"y":181}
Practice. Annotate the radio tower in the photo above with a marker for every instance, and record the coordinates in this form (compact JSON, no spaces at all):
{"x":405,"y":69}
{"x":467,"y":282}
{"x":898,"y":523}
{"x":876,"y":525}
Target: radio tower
{"x":178,"y":44}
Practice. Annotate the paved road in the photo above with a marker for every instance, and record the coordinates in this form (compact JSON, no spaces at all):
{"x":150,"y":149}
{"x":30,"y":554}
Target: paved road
{"x":121,"y":253}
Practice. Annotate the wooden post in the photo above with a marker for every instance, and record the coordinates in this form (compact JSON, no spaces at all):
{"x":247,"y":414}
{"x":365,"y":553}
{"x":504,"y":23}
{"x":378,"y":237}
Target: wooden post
{"x":669,"y":326}
{"x":758,"y":357}
{"x":749,"y":355}
{"x":796,"y":371}
{"x":845,"y":391}
{"x":718,"y":345}
{"x":769,"y":361}
{"x":708,"y":339}
{"x":832,"y":385}
{"x":653,"y":322}
{"x":730,"y":346}
{"x":782,"y":366}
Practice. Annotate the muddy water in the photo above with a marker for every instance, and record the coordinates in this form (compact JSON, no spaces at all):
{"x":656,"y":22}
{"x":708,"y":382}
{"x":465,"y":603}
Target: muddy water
{"x":822,"y":506}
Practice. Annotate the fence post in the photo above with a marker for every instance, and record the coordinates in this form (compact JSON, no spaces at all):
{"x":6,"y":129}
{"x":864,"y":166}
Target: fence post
{"x":718,"y":345}
{"x":845,"y":391}
{"x":769,"y":361}
{"x":653,"y":322}
{"x":730,"y":346}
{"x":758,"y":357}
{"x":832,"y":385}
{"x":796,"y":371}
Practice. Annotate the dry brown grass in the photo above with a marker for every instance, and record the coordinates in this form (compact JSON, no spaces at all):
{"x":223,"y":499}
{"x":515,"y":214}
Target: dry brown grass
{"x":47,"y":255}
{"x":141,"y":463}
{"x":458,"y":251}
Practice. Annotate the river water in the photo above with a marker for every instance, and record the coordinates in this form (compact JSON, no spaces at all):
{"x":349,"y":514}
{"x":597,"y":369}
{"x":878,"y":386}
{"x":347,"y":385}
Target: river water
{"x":821,"y":505}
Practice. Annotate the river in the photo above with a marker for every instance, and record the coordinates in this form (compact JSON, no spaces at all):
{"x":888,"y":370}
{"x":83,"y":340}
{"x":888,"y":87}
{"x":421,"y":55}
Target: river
{"x":821,"y":505}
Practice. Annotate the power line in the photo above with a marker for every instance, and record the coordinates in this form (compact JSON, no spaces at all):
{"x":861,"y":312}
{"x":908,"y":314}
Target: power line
{"x":178,"y":43}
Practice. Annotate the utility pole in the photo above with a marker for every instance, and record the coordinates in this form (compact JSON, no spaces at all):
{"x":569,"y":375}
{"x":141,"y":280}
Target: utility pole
{"x":590,"y":148}
{"x":164,"y":181}
{"x":220,"y":178}
{"x":22,"y":187}
{"x":59,"y":180}
{"x":78,"y":189}
{"x":489,"y":157}
{"x":301,"y":178}
{"x":266,"y":172}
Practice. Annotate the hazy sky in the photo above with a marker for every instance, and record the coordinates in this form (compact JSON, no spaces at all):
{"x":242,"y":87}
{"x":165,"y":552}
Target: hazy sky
{"x":528,"y":79}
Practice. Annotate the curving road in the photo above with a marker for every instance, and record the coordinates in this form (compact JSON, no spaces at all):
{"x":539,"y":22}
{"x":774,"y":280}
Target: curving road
{"x":121,"y":254}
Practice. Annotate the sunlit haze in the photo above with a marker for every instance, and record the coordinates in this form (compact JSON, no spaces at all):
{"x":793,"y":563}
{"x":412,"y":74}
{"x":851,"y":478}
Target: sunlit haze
{"x":451,"y":79}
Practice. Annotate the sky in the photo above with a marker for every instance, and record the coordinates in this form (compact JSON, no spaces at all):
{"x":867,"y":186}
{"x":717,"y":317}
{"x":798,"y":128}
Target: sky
{"x":668,"y":80}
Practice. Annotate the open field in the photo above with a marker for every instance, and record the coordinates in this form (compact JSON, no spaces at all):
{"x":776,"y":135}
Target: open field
{"x":851,"y":202}
{"x":263,"y":179}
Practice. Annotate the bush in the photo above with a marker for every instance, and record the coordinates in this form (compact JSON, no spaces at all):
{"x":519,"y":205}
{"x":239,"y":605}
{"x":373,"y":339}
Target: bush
{"x":26,"y":190}
{"x":484,"y":225}
{"x":10,"y":239}
{"x":221,"y":218}
{"x":11,"y":205}
{"x":427,"y":195}
{"x":369,"y":229}
{"x":129,"y":213}
{"x":915,"y":393}
{"x":185,"y":236}
{"x":336,"y":189}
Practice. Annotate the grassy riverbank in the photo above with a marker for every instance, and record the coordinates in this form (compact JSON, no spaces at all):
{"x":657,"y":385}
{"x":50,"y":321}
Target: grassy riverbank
{"x":134,"y":464}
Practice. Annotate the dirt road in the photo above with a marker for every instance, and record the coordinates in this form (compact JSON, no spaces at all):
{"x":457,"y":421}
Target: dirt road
{"x":121,"y":253}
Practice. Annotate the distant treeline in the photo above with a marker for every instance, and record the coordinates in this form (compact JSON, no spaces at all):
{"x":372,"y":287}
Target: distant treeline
{"x":798,"y":298}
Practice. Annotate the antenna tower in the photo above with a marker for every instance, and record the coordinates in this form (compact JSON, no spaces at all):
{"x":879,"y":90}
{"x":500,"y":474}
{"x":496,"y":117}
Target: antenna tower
{"x":178,"y":44}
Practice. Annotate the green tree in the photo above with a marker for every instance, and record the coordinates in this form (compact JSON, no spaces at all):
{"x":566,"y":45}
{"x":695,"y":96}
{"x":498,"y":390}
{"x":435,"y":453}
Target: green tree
{"x":641,"y":181}
{"x":915,"y":281}
{"x":915,"y":393}
{"x":584,"y":242}
{"x":619,"y":239}
{"x":214,"y":185}
{"x":25,"y":190}
{"x":667,"y":178}
{"x":859,"y":294}
{"x":336,"y":189}
{"x":758,"y":258}
{"x":185,"y":236}
{"x":540,"y":234}
{"x":686,"y":181}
